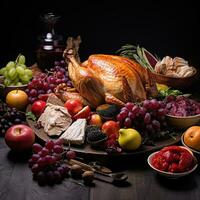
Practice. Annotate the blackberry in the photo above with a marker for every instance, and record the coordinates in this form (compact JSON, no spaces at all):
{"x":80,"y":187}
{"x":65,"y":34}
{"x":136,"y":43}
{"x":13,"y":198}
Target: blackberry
{"x":95,"y":136}
{"x":94,"y":133}
{"x":91,"y":128}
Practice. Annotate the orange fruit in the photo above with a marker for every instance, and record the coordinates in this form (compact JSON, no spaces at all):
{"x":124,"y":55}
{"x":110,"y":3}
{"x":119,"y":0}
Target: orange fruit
{"x":191,"y":137}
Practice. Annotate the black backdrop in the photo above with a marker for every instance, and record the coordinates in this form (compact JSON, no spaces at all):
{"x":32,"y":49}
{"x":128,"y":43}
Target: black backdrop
{"x":164,"y":28}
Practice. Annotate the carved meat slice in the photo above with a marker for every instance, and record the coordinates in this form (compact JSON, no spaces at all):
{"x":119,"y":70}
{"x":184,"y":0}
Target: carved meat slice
{"x":55,"y":119}
{"x":75,"y":134}
{"x":177,"y":67}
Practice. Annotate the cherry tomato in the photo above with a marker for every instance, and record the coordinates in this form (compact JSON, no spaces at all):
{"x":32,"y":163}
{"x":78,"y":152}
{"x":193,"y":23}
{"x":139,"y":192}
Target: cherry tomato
{"x":38,"y":107}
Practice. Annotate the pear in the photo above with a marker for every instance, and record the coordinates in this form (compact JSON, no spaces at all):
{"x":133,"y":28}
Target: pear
{"x":129,"y":139}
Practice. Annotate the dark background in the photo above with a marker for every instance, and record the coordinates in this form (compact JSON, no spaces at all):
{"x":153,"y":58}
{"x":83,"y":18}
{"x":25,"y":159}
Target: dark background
{"x":164,"y":28}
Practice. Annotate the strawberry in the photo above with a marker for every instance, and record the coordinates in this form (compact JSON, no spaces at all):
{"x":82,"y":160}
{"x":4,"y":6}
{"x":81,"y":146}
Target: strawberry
{"x":168,"y":155}
{"x":174,"y":168}
{"x":176,"y":157}
{"x":186,"y":162}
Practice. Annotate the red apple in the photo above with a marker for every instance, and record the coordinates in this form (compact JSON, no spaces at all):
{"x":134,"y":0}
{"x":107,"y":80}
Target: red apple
{"x":38,"y":107}
{"x":20,"y":137}
{"x":110,"y":127}
{"x":73,"y":106}
{"x":83,"y":113}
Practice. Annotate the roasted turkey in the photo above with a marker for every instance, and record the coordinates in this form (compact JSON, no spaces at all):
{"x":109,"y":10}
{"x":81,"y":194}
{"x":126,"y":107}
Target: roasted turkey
{"x":108,"y":78}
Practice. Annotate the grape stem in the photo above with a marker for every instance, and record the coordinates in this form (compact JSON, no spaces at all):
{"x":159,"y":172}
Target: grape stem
{"x":17,"y":59}
{"x":48,"y":72}
{"x":172,"y":136}
{"x":69,"y":145}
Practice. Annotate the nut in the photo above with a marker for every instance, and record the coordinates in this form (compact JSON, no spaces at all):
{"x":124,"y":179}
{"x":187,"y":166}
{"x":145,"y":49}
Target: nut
{"x":88,"y":177}
{"x":76,"y":171}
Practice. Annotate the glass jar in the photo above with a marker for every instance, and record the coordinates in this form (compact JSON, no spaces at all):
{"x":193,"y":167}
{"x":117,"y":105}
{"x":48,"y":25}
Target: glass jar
{"x":51,"y":47}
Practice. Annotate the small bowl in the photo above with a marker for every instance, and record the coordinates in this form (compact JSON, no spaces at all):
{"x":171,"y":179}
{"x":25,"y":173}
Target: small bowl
{"x":176,"y":82}
{"x":191,"y":149}
{"x":183,"y":122}
{"x":4,"y":90}
{"x":97,"y":143}
{"x":170,"y":174}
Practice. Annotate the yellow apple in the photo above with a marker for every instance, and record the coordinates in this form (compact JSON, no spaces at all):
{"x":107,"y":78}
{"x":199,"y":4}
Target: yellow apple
{"x":17,"y":99}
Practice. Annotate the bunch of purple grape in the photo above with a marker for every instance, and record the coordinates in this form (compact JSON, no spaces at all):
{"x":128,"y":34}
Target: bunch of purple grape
{"x":47,"y":163}
{"x":147,"y":117}
{"x":46,"y":83}
{"x":9,"y":116}
{"x":182,"y":106}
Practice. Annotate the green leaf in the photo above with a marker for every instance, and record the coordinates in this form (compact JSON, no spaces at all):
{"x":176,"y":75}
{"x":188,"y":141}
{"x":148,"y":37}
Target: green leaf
{"x":135,"y":53}
{"x":173,"y":134}
{"x":139,"y":52}
{"x":164,"y":93}
{"x":127,"y":47}
{"x":128,"y":51}
{"x":136,"y":57}
{"x":146,"y":60}
{"x":31,"y":116}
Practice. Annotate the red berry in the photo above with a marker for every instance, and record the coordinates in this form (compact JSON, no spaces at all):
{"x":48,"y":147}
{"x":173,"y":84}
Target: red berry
{"x":186,"y":162}
{"x":71,"y":154}
{"x":36,"y":147}
{"x":59,"y":142}
{"x":49,"y":144}
{"x":129,"y":105}
{"x":175,"y":167}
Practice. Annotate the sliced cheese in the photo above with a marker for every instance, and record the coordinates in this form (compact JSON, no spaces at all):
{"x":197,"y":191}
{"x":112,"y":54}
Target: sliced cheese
{"x":75,"y":134}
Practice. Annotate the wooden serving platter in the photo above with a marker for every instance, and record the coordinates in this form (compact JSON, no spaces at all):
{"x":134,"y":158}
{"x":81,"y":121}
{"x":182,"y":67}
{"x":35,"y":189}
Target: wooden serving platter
{"x":87,"y":149}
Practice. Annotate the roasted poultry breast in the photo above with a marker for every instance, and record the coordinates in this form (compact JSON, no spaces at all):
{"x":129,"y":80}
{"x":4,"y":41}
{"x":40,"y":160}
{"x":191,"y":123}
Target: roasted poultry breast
{"x":108,"y":78}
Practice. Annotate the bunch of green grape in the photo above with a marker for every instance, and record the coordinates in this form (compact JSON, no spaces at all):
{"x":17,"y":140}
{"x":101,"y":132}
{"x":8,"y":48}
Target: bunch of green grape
{"x":16,"y":73}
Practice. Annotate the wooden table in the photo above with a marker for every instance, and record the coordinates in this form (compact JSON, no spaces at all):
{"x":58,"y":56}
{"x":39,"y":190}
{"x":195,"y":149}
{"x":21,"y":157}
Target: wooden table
{"x":16,"y":182}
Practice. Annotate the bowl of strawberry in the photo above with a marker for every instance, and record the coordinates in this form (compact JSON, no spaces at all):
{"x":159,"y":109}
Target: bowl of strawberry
{"x":173,"y":161}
